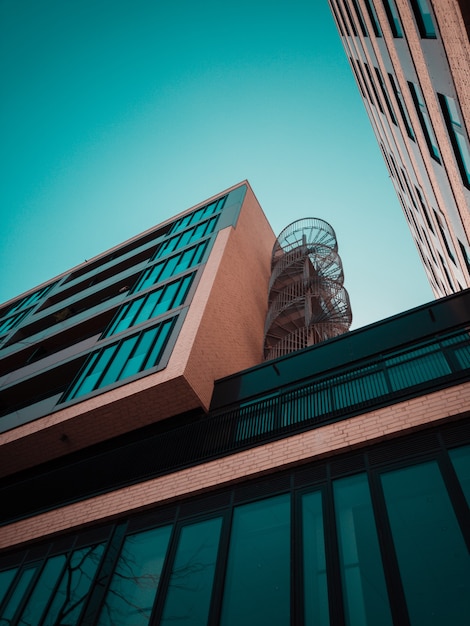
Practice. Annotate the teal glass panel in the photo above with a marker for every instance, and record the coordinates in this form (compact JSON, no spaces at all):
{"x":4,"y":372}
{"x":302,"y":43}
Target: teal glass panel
{"x":43,"y":590}
{"x":424,"y":19}
{"x":21,"y":588}
{"x":93,"y":371}
{"x":316,"y":611}
{"x":119,"y":361}
{"x":170,"y":267}
{"x":135,"y":581}
{"x":134,"y":363}
{"x":257,"y":583}
{"x":74,"y":587}
{"x":164,"y":330}
{"x":6,"y":578}
{"x":166,"y":301}
{"x":365,"y":594}
{"x":432,"y":557}
{"x":192,"y":576}
{"x":149,"y":304}
{"x":460,"y":458}
{"x":125,"y":317}
{"x":425,"y":121}
{"x":186,"y":238}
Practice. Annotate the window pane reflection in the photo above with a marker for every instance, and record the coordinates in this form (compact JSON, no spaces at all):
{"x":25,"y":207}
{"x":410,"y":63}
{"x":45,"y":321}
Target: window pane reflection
{"x":190,"y":587}
{"x":314,"y":562}
{"x":135,"y":582}
{"x":460,"y":458}
{"x":365,"y":594}
{"x":257,"y":585}
{"x":432,"y":556}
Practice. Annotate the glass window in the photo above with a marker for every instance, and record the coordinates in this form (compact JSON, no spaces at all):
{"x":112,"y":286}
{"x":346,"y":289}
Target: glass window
{"x":364,"y":590}
{"x":77,"y":578}
{"x":402,"y":107}
{"x":457,"y":135}
{"x":380,"y":80}
{"x":314,"y":561}
{"x":360,"y":18}
{"x":257,"y":582}
{"x":22,"y":586}
{"x":155,"y":303}
{"x":460,"y":458}
{"x":187,"y":237}
{"x":10,"y":322}
{"x":190,"y":587}
{"x":198,"y":215}
{"x":376,"y":94}
{"x":43,"y":591}
{"x":423,"y":19}
{"x":6,"y":578}
{"x":135,"y":582}
{"x":393,"y":18}
{"x":30,"y":300}
{"x":417,"y":366}
{"x":125,"y":358}
{"x":425,"y":121}
{"x":432,"y":557}
{"x":373,"y":18}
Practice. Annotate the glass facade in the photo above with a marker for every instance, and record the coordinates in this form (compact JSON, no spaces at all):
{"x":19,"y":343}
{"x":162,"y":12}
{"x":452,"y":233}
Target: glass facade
{"x":457,"y":136}
{"x":120,"y":360}
{"x":425,"y":121}
{"x":323,"y":545}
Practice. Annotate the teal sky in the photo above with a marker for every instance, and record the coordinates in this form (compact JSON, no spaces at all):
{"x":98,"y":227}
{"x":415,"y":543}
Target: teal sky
{"x":117,"y":114}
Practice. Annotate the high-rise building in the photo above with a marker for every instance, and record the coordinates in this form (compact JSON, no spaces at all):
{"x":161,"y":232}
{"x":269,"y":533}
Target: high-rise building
{"x":411,"y":61}
{"x":154,"y":470}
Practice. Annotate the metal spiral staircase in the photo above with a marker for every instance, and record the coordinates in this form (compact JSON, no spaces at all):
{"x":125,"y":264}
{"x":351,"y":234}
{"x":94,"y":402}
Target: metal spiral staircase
{"x":307,"y":300}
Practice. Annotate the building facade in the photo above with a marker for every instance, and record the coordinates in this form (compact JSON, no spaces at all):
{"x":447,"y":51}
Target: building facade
{"x":411,"y":61}
{"x":329,"y":486}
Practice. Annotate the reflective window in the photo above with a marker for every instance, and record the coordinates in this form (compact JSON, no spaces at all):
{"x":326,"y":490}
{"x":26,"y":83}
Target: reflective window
{"x":257,"y":583}
{"x":423,"y":18}
{"x":385,"y":95}
{"x":10,"y":322}
{"x":30,"y":300}
{"x":75,"y":583}
{"x":365,"y":594}
{"x":6,"y":578}
{"x":190,"y":587}
{"x":186,"y":237}
{"x":425,"y":121}
{"x":198,"y":215}
{"x":136,"y":579}
{"x":373,"y":18}
{"x":314,"y":561}
{"x":120,"y":360}
{"x":393,"y":18}
{"x":457,"y":135}
{"x":460,"y":458}
{"x":374,"y":89}
{"x":43,"y":590}
{"x":163,"y":299}
{"x":22,"y":585}
{"x":402,"y":107}
{"x":416,"y":367}
{"x":171,"y":266}
{"x":360,"y":18}
{"x":432,"y":557}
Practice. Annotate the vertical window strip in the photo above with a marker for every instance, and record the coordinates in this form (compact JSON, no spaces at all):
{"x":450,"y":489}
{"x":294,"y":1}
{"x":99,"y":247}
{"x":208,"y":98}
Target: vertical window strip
{"x":393,"y":18}
{"x":425,"y":121}
{"x":185,"y":238}
{"x":402,"y":107}
{"x":198,"y":215}
{"x":350,"y":17}
{"x":157,"y":302}
{"x":425,"y":23}
{"x":338,"y":21}
{"x":376,"y":94}
{"x":380,"y":79}
{"x":360,"y":18}
{"x":373,"y":18}
{"x":424,"y":209}
{"x":457,"y":135}
{"x":122,"y":359}
{"x":369,"y":94}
